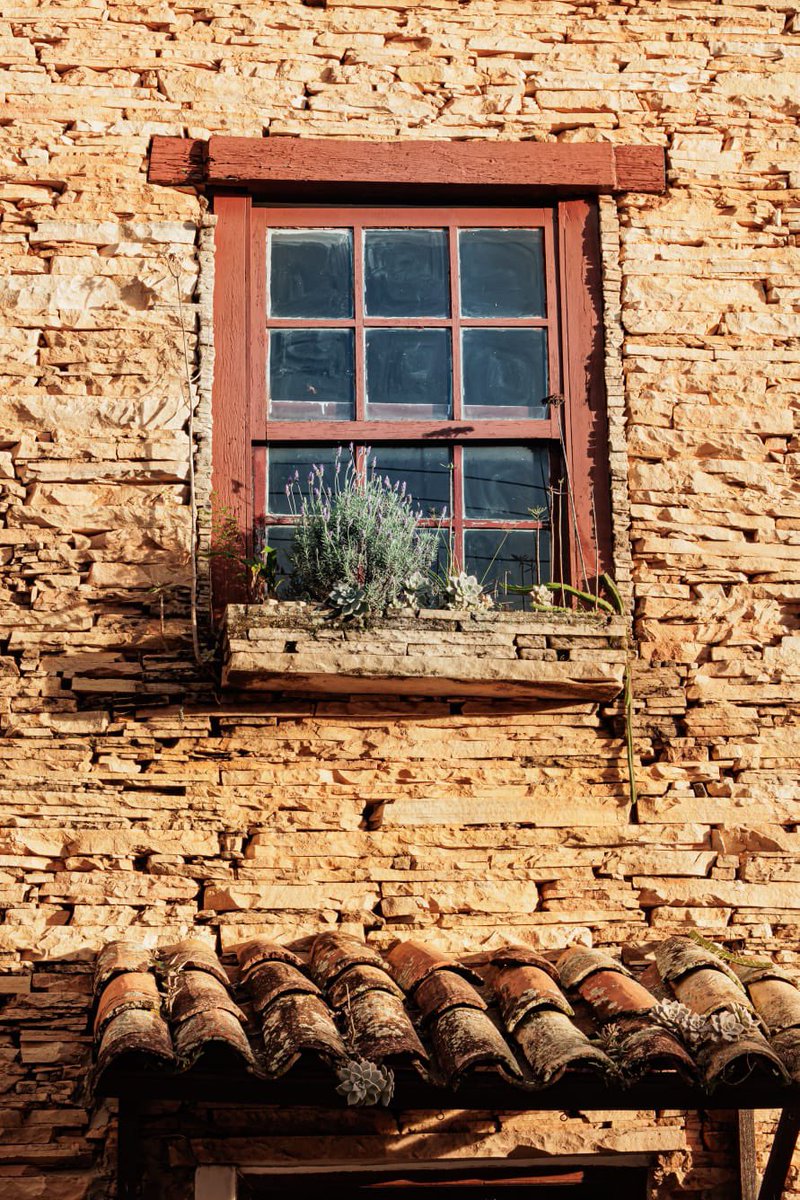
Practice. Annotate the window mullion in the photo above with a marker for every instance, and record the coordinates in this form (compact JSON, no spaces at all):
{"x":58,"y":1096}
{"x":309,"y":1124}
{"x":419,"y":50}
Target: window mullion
{"x":455,"y":311}
{"x":458,"y":507}
{"x":358,"y":313}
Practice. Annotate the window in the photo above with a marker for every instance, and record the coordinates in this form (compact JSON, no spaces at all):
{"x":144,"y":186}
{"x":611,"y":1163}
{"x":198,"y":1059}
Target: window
{"x":428,"y":340}
{"x":479,"y":360}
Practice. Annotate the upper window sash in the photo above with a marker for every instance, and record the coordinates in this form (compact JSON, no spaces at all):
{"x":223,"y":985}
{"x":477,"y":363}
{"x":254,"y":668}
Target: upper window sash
{"x":264,"y":218}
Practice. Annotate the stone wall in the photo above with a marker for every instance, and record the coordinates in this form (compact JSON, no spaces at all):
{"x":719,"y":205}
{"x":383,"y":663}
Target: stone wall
{"x":134,"y":799}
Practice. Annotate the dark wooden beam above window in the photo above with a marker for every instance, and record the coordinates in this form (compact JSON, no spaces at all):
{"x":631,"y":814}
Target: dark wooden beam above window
{"x":279,"y":166}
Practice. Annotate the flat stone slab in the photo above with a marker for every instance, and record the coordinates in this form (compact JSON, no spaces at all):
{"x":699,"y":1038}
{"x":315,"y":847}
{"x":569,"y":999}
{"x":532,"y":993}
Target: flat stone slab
{"x":288,"y":647}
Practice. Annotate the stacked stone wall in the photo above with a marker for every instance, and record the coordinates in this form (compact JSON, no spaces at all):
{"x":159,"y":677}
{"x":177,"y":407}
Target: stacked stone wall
{"x":134,"y":799}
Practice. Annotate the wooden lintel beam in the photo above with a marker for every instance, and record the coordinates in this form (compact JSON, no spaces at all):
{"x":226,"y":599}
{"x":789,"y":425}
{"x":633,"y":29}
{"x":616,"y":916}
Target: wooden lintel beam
{"x":748,"y":1184}
{"x":780,"y":1155}
{"x":177,"y":161}
{"x":280,"y":164}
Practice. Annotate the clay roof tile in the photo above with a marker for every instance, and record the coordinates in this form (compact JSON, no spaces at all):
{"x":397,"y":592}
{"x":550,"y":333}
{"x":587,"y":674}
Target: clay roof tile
{"x":410,"y":963}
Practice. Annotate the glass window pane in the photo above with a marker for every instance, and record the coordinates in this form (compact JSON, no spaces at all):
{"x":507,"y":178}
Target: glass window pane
{"x":502,"y":272}
{"x":504,"y":373}
{"x":406,"y":273}
{"x":505,"y":483}
{"x":311,"y":374}
{"x":408,"y":374}
{"x":287,"y":462}
{"x":425,"y":470}
{"x":500,"y":557}
{"x":281,"y":538}
{"x":445,"y":559}
{"x":310,"y":273}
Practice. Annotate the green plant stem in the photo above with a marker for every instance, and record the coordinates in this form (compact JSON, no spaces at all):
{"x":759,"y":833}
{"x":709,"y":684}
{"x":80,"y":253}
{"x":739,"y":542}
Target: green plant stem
{"x":587,"y":597}
{"x":614,"y":592}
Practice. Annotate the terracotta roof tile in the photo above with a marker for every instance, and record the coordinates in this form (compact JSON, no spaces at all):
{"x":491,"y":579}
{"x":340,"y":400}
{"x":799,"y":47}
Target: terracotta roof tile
{"x":135,"y":989}
{"x":350,"y":984}
{"x":411,"y":963}
{"x":333,"y":953}
{"x":297,"y":1024}
{"x":269,"y":980}
{"x":259,"y":950}
{"x":382,"y":1029}
{"x":551,"y":1044}
{"x":777,"y":1002}
{"x":510,"y":1012}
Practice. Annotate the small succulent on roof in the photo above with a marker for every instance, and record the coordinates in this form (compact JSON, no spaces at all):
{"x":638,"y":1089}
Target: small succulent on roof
{"x":365,"y":1083}
{"x":734,"y":1023}
{"x":465,"y":593}
{"x":693,"y":1028}
{"x":687,"y":1025}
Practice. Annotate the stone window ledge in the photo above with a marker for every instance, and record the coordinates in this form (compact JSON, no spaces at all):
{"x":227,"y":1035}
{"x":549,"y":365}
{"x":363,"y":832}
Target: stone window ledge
{"x":286,"y":647}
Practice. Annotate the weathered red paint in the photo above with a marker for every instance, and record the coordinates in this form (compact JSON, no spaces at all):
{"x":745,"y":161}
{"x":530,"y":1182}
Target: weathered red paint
{"x":287,"y":164}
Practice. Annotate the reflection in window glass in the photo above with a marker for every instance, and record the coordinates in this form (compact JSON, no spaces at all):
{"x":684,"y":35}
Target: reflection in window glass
{"x":406,"y":273}
{"x":502,"y":272}
{"x":285,"y":461}
{"x":426,"y":471}
{"x":311,"y":374}
{"x":310,"y":273}
{"x":500,"y":557}
{"x":281,"y":538}
{"x":408,"y":374}
{"x":505,"y":483}
{"x":504,"y":373}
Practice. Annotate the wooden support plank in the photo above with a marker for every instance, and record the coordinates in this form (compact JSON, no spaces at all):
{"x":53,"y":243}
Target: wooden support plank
{"x":481,"y":1092}
{"x":280,"y":165}
{"x":748,"y":1184}
{"x":177,"y":161}
{"x":780,"y":1156}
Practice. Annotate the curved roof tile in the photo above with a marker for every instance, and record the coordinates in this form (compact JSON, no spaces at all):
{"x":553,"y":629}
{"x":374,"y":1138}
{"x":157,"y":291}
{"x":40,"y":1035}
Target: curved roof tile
{"x":336,"y":1000}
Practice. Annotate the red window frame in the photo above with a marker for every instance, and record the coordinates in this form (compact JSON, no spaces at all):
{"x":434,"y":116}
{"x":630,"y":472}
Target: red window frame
{"x":241,"y":428}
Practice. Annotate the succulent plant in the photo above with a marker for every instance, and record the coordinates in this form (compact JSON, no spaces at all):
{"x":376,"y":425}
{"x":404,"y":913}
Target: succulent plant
{"x":411,"y":587}
{"x":542,"y":596}
{"x":694,"y":1028}
{"x":347,"y":602}
{"x":734,"y":1023}
{"x":365,"y":1083}
{"x":465,"y":592}
{"x":687,"y":1025}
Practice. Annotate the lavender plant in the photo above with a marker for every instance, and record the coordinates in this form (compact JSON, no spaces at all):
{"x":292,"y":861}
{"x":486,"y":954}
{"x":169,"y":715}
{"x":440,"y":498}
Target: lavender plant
{"x":357,"y":547}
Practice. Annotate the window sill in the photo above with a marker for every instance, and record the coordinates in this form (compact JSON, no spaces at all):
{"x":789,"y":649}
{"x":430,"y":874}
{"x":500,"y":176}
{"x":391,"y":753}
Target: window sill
{"x":283,"y":647}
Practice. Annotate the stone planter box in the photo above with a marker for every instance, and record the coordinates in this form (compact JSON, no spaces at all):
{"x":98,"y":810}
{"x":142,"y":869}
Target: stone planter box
{"x":286,"y":647}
